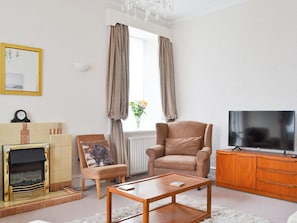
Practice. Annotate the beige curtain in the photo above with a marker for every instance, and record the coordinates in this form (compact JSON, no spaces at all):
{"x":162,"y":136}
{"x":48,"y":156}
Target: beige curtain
{"x":167,"y":79}
{"x":118,"y":89}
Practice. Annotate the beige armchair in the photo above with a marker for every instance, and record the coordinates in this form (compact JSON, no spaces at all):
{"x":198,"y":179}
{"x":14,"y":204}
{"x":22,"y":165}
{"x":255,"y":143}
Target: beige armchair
{"x":182,"y":147}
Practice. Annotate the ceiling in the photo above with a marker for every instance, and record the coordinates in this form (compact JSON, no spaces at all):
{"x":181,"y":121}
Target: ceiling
{"x":187,"y":9}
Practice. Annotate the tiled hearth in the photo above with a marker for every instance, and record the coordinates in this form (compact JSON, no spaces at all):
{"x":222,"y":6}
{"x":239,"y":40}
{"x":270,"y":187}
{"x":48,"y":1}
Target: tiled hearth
{"x":60,"y":165}
{"x":53,"y":198}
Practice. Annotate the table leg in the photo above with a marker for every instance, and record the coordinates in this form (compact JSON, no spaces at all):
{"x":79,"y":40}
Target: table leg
{"x":145,"y":211}
{"x":209,"y":199}
{"x":108,"y":206}
{"x":173,"y":199}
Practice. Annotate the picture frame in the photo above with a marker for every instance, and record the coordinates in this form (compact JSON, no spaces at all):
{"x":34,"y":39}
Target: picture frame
{"x":21,"y":70}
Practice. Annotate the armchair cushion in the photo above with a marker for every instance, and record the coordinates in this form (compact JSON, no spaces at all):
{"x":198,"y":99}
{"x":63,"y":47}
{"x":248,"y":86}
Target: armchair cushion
{"x":183,"y":146}
{"x":97,"y":153}
{"x":177,"y":162}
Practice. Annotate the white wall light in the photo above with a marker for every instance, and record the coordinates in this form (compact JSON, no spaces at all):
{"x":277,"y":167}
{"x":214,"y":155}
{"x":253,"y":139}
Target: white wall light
{"x":82,"y":67}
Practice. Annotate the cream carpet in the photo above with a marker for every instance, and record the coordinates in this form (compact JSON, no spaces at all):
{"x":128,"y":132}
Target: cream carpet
{"x":219,"y":214}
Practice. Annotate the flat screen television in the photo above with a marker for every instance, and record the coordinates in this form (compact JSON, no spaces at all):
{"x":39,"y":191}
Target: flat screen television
{"x":273,"y":130}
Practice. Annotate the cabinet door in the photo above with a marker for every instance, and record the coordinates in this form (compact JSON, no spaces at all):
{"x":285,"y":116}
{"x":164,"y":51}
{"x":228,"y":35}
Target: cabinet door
{"x":245,"y":171}
{"x":225,"y":168}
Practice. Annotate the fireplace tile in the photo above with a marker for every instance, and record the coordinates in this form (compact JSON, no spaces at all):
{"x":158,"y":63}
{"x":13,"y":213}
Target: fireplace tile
{"x":53,"y":198}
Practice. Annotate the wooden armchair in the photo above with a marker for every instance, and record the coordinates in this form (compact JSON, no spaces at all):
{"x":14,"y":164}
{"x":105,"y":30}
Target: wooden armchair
{"x":96,"y":161}
{"x":182,"y":147}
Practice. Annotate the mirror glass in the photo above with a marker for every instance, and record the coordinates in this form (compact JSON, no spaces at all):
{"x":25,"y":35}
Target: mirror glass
{"x":21,"y":70}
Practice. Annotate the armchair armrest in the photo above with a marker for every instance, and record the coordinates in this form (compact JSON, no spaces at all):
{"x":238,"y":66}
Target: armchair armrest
{"x":153,"y":153}
{"x":203,"y":154}
{"x":203,"y":161}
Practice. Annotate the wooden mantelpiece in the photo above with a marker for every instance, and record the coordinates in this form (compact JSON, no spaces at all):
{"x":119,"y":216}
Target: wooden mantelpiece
{"x":60,"y":148}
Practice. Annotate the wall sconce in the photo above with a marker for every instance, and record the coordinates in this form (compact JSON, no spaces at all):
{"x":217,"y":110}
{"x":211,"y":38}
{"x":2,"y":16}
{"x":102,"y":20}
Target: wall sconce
{"x":82,"y":67}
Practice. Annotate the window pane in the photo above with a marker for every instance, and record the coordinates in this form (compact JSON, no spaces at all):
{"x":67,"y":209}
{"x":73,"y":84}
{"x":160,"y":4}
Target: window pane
{"x":144,"y":79}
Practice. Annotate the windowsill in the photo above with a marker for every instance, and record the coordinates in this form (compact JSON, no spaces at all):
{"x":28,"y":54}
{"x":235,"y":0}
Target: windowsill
{"x":140,"y":131}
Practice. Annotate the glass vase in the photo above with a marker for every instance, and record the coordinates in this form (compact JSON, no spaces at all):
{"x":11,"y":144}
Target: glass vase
{"x":137,"y":118}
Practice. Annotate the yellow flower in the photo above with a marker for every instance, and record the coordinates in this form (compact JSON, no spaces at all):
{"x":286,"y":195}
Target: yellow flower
{"x":138,"y":107}
{"x":144,"y":103}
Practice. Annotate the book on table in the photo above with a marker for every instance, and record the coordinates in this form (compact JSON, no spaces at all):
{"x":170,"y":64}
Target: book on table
{"x":177,"y":183}
{"x":126,"y":187}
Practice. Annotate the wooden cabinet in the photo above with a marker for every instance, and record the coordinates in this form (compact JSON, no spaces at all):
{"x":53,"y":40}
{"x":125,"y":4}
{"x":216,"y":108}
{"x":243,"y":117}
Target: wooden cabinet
{"x":262,"y":173}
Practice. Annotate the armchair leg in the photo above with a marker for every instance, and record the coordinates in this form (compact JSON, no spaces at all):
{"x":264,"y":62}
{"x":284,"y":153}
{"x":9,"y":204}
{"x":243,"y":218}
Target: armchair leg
{"x":123,"y":179}
{"x":98,"y":188}
{"x":82,"y":184}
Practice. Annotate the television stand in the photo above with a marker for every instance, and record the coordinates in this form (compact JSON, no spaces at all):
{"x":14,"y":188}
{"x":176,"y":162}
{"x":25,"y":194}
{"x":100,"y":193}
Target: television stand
{"x":263,"y":173}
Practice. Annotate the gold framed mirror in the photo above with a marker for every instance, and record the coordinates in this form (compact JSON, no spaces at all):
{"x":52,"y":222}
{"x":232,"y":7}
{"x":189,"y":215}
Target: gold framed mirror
{"x":21,"y":70}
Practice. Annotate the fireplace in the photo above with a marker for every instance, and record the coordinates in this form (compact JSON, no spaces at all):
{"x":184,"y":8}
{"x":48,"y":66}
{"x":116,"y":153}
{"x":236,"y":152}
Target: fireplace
{"x":25,"y":171}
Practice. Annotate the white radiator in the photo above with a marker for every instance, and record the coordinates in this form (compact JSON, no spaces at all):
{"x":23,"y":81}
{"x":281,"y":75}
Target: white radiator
{"x":136,"y":153}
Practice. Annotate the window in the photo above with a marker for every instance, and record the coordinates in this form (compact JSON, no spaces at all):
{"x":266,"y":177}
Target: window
{"x":144,"y":78}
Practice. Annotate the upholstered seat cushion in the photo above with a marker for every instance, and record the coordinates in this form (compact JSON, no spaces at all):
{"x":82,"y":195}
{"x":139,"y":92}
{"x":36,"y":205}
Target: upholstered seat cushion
{"x":105,"y":172}
{"x":179,"y":162}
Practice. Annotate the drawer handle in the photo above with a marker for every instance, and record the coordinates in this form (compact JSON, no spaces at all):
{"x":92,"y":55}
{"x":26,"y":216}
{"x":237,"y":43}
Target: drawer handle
{"x":279,"y":184}
{"x":279,"y":171}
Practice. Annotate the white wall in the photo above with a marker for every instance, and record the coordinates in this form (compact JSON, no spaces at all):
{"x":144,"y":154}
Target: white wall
{"x":67,"y":31}
{"x":243,"y":57}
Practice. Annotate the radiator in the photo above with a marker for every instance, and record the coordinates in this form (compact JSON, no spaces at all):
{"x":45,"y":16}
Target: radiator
{"x":136,"y":153}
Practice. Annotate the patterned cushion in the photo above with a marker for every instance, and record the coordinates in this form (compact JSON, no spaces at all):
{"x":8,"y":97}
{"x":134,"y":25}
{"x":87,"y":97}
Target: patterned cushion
{"x":97,"y":153}
{"x":183,"y":146}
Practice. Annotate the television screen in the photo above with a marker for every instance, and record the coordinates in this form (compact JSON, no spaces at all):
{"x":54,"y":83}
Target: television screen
{"x":262,"y":129}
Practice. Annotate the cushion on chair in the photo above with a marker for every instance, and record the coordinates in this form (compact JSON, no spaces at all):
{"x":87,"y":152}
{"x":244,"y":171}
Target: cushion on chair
{"x":183,"y":146}
{"x":105,"y":172}
{"x":97,"y":153}
{"x":179,"y":162}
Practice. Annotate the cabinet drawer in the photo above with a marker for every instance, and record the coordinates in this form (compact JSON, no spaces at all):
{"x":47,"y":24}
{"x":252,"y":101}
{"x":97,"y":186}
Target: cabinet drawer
{"x":277,"y":189}
{"x":276,"y":176}
{"x":274,"y":164}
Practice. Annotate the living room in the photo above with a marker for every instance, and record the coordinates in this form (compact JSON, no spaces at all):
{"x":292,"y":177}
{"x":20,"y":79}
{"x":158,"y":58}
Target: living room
{"x":240,"y":57}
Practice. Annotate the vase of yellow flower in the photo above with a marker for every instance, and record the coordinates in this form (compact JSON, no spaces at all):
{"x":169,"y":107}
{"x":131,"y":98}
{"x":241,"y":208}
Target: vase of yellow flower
{"x":137,"y":119}
{"x":138,"y":108}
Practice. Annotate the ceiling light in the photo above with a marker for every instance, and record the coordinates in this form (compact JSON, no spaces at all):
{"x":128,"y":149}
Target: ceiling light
{"x":157,"y":8}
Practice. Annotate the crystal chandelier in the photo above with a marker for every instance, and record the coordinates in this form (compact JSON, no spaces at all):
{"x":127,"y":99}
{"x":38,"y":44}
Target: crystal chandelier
{"x":156,"y":8}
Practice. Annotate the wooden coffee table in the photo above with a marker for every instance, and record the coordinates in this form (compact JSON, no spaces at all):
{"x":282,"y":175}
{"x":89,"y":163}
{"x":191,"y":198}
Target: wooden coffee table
{"x":156,"y":188}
